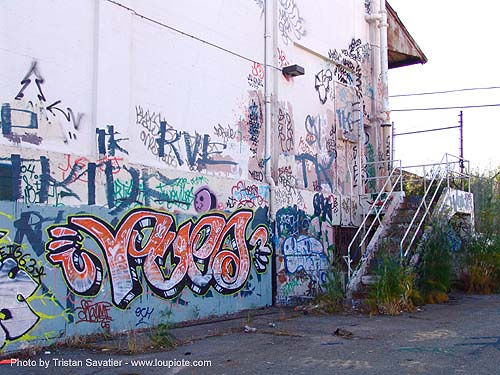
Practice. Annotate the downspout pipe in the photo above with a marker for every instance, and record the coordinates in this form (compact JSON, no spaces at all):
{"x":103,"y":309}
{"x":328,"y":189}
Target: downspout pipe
{"x":380,"y":20}
{"x":381,"y":67}
{"x":384,"y":69}
{"x":373,"y":20}
{"x":94,"y":153}
{"x":269,"y":48}
{"x":268,"y":60}
{"x":384,"y":63}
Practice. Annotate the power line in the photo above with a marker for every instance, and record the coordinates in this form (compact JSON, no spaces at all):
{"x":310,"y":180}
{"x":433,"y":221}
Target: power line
{"x":440,"y":108}
{"x":445,"y":92}
{"x":189,"y":35}
{"x":427,"y":130}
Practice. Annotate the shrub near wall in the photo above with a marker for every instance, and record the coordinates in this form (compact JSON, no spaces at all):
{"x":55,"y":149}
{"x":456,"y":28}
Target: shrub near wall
{"x":394,"y":291}
{"x":480,"y":264}
{"x":435,"y":267}
{"x":480,"y":261}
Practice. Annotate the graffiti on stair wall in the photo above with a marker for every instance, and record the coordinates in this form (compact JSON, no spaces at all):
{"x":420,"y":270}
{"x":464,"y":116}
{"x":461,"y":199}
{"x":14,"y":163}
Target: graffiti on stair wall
{"x":461,"y":201}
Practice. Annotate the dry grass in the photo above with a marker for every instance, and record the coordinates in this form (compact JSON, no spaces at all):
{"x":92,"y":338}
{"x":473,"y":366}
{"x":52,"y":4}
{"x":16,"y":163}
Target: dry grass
{"x":437,"y":296}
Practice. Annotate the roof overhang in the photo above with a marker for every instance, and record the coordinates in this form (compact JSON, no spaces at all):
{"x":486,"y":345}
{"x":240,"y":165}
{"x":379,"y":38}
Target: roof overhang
{"x":402,"y":48}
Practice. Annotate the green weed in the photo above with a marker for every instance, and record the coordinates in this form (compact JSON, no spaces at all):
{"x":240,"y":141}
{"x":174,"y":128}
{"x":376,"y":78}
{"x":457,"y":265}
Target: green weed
{"x":161,"y":334}
{"x":480,"y":264}
{"x":480,"y":261}
{"x":332,"y":298}
{"x":394,"y":291}
{"x":435,"y":267}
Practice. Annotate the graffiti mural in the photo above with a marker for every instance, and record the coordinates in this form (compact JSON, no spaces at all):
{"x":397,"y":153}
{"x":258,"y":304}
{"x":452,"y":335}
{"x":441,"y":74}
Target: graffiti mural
{"x":306,"y":254}
{"x":16,"y":315}
{"x":119,"y":205}
{"x":306,"y":243}
{"x":212,"y":251}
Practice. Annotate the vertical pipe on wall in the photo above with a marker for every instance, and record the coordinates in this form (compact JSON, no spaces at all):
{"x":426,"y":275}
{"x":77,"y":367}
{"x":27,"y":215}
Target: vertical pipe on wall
{"x":380,"y":66}
{"x":269,"y":48}
{"x":95,"y":76}
{"x":268,"y":60}
{"x":384,"y":62}
{"x":373,"y":20}
{"x":384,"y":69}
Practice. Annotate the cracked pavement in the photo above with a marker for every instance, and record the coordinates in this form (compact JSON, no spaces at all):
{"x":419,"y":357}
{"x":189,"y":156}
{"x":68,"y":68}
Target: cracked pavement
{"x":462,"y":336}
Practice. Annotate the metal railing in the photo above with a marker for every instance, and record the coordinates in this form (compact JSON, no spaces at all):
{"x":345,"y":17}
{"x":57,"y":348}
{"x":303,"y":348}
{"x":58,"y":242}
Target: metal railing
{"x":432,"y":176}
{"x":438,"y":173}
{"x":377,"y":207}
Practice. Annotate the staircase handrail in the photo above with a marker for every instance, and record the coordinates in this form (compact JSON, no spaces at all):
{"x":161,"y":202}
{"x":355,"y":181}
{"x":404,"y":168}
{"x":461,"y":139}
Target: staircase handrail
{"x":378,"y":211}
{"x":444,"y":162}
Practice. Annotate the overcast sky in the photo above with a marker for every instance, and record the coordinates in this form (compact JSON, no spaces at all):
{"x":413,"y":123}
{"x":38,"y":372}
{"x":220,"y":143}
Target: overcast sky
{"x":461,"y":41}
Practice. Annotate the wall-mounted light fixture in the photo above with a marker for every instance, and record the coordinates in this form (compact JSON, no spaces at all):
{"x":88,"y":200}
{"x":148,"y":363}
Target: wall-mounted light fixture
{"x":293,"y":70}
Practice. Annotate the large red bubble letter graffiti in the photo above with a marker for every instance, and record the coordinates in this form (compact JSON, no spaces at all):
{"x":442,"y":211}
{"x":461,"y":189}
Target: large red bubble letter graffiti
{"x":210,"y":251}
{"x":82,"y":270}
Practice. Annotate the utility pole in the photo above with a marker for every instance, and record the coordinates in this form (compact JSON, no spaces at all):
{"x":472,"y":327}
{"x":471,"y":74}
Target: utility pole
{"x":461,"y":151}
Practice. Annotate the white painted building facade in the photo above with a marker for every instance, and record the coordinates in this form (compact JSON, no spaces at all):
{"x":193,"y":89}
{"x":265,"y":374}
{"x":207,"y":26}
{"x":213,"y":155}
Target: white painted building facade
{"x":155,"y":157}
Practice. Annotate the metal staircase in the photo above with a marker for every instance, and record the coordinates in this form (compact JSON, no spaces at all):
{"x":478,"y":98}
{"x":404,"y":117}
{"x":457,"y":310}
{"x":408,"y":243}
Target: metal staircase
{"x":398,"y":219}
{"x":449,"y":168}
{"x":365,"y":241}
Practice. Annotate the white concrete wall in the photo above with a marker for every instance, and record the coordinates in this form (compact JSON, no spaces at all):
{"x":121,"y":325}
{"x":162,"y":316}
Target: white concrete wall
{"x":85,"y":89}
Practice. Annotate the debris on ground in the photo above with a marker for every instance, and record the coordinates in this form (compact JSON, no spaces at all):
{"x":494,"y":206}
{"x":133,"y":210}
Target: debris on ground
{"x":343,"y":333}
{"x":279,"y":333}
{"x":320,"y":306}
{"x":249,"y":329}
